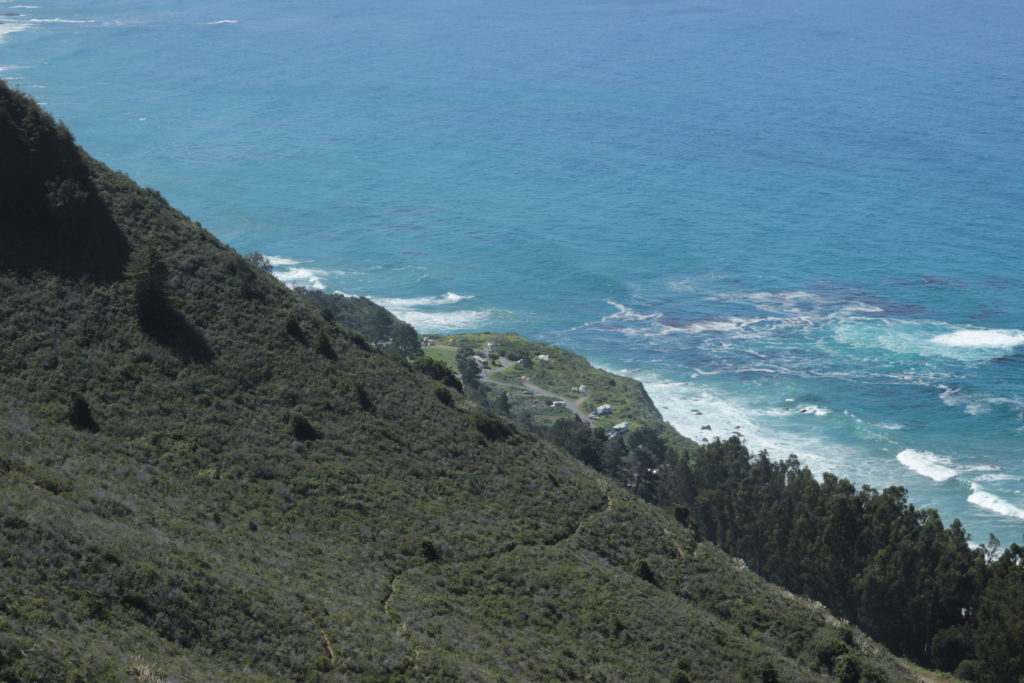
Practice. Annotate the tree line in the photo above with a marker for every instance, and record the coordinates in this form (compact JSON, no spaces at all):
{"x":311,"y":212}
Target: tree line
{"x":870,"y":556}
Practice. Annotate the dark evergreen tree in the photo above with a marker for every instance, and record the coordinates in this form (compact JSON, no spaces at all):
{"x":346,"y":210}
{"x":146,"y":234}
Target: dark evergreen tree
{"x":147,"y":273}
{"x":324,"y":347}
{"x":80,"y":415}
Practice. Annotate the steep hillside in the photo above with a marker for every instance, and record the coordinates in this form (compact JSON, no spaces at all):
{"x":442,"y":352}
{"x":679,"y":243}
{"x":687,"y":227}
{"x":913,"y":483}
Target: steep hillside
{"x":202,"y":477}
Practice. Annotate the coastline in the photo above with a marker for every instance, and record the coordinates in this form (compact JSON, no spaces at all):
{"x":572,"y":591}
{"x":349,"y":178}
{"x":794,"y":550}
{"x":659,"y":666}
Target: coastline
{"x":673,"y":405}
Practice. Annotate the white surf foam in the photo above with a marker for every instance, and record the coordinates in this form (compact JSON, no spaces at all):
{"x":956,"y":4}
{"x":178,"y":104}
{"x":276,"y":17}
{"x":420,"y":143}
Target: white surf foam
{"x":222,"y":21}
{"x":927,"y":464}
{"x":626,"y":313}
{"x":768,"y":371}
{"x":7,"y":29}
{"x":304,"y":277}
{"x":411,"y":310}
{"x":61,"y":21}
{"x":977,"y":404}
{"x":690,"y":407}
{"x":282,"y":261}
{"x":416,"y":302}
{"x":993,"y":503}
{"x":427,"y":322}
{"x":776,"y":302}
{"x":926,"y":338}
{"x":979,"y":408}
{"x":731,"y":324}
{"x":980,"y":339}
{"x":999,"y":477}
{"x":776,"y":412}
{"x":859,"y":307}
{"x":814,"y":410}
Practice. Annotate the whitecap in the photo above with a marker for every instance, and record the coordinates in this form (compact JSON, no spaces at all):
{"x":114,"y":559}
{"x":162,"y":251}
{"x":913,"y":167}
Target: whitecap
{"x":282,"y":261}
{"x":859,"y":307}
{"x":768,"y":371}
{"x":977,"y":404}
{"x":999,"y":477}
{"x":980,"y":339}
{"x":775,"y":302}
{"x":926,"y":338}
{"x":891,"y":427}
{"x":732,"y":324}
{"x":775,"y":412}
{"x":427,"y":322}
{"x":978,"y":408}
{"x":949,"y":395}
{"x":993,"y":503}
{"x":7,"y":29}
{"x":415,"y":302}
{"x":728,"y":416}
{"x":626,"y":313}
{"x":222,"y":21}
{"x":61,"y":21}
{"x":927,"y":464}
{"x":308,"y":277}
{"x":814,"y":410}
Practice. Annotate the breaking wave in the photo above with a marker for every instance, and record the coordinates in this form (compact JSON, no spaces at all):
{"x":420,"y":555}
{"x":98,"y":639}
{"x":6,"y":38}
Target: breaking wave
{"x":416,"y":302}
{"x":927,"y":464}
{"x":993,"y":503}
{"x":980,"y":339}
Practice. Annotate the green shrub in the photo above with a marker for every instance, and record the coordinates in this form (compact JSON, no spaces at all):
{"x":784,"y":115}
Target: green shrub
{"x":435,"y":369}
{"x":323,"y":346}
{"x":362,"y":396}
{"x":444,"y":396}
{"x":294,"y":329}
{"x":847,"y":669}
{"x":492,"y":426}
{"x":829,"y":652}
{"x":642,"y":569}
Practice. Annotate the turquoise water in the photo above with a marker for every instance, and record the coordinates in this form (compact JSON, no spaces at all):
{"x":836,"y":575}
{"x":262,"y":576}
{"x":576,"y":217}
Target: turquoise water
{"x":798,"y":221}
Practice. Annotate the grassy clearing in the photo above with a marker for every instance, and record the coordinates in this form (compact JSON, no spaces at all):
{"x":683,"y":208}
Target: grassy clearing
{"x":443,"y":354}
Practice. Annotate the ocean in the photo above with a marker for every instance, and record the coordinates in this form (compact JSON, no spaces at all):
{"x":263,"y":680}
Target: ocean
{"x":799,"y":222}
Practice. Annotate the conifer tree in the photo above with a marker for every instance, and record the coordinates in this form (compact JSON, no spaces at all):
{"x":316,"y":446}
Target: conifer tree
{"x":147,"y":273}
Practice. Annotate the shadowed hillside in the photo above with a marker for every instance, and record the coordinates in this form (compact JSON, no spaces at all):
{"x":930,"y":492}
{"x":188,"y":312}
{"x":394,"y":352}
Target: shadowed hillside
{"x":52,"y":215}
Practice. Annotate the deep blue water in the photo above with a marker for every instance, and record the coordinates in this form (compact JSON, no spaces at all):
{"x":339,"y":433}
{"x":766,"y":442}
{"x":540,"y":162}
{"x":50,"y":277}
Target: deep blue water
{"x":801,"y":220}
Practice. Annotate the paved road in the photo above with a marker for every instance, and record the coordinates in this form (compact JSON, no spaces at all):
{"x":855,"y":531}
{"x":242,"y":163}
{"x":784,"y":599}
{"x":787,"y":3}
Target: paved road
{"x":571,"y":404}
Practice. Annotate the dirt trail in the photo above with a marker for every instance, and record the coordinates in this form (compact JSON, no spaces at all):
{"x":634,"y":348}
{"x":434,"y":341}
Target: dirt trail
{"x":680,"y":551}
{"x":391,"y":594}
{"x":392,"y":587}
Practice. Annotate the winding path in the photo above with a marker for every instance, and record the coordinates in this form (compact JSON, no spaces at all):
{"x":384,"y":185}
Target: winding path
{"x":393,"y":583}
